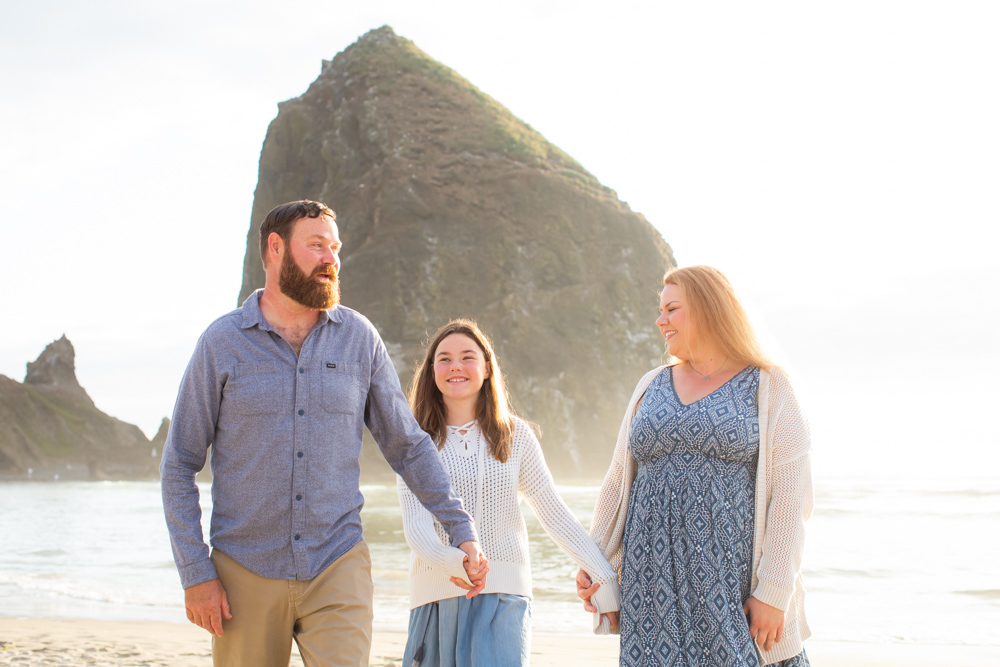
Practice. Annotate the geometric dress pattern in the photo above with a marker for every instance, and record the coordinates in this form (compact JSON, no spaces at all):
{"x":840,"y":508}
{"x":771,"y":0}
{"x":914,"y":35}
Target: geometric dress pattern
{"x":688,"y":541}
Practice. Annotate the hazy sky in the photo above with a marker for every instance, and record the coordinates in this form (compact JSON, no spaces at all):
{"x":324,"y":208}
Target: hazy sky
{"x":841,"y":162}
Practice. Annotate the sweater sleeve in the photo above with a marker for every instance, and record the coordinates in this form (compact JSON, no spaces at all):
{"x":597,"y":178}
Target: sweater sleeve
{"x":791,"y":500}
{"x":607,"y":508}
{"x":420,"y":534}
{"x":607,"y":528}
{"x":539,"y":489}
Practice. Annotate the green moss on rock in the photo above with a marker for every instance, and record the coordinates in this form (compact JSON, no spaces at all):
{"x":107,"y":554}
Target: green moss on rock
{"x":449,"y":205}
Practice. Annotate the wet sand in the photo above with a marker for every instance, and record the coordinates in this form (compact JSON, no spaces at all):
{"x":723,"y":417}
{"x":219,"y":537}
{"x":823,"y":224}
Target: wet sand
{"x":31,"y":642}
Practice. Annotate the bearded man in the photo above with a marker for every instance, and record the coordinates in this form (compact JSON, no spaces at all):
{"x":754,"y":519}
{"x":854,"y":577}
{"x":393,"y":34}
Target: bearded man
{"x":280,"y":389}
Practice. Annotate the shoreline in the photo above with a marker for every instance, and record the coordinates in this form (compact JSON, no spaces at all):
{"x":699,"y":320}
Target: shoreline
{"x":31,"y":642}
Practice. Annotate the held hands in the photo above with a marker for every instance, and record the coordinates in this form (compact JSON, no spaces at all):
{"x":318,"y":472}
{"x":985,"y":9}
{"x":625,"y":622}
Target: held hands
{"x":585,"y":589}
{"x":767,"y":623}
{"x":476,"y":567}
{"x":206,"y":605}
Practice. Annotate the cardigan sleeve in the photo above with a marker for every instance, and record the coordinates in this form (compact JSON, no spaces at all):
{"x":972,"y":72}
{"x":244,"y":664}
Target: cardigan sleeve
{"x":791,"y":497}
{"x":539,"y":489}
{"x":418,"y":529}
{"x":607,"y":528}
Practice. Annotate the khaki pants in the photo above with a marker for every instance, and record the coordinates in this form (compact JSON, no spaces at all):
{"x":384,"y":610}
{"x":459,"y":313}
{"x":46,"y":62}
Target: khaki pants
{"x":330,"y":617}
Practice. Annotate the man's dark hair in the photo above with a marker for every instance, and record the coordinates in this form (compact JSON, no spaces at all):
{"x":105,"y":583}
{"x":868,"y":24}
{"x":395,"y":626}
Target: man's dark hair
{"x":282,"y":219}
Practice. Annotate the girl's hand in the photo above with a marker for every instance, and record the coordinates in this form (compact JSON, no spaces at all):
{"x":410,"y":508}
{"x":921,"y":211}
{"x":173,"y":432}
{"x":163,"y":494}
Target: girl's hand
{"x":767,"y":623}
{"x":478,"y":580}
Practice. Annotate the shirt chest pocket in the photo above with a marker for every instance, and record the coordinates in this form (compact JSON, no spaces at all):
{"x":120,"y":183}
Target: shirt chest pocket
{"x":343,"y":391}
{"x":257,"y":389}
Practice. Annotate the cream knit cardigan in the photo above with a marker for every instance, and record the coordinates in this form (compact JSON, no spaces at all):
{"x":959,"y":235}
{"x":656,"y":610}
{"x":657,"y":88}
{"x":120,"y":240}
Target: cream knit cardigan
{"x":490,"y":493}
{"x":784,"y":501}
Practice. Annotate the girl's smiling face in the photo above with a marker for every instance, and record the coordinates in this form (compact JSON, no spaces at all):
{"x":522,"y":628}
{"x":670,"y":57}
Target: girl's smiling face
{"x":459,"y":368}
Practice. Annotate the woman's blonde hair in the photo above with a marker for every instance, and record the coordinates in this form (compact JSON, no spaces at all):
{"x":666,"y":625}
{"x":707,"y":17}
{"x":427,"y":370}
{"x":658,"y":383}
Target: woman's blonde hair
{"x":716,"y":315}
{"x":494,"y":414}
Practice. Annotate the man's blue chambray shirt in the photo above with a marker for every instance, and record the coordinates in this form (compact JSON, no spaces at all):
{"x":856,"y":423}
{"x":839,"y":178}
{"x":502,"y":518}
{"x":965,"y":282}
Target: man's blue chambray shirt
{"x":286,"y":438}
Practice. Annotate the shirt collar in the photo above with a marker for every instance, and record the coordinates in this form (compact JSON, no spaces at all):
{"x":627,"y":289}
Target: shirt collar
{"x":253,"y":317}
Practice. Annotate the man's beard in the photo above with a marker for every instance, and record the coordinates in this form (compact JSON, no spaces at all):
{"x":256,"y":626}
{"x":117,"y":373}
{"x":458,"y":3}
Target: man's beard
{"x":311,"y":293}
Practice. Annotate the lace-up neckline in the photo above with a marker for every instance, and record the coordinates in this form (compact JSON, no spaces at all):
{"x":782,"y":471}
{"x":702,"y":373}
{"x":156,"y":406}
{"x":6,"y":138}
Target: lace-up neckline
{"x":465,"y":437}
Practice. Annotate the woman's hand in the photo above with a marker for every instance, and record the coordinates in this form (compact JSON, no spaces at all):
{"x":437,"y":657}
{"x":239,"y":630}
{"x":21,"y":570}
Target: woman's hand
{"x":767,"y":623}
{"x":585,"y":589}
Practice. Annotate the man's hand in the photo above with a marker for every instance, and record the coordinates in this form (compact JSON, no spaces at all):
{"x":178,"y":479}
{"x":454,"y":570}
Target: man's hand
{"x":476,"y":567}
{"x":474,"y":554}
{"x":206,"y":605}
{"x":767,"y":623}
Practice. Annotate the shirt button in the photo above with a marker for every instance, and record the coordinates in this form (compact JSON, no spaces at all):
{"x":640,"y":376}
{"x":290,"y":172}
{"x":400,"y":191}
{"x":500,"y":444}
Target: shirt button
{"x":301,"y":371}
{"x":301,"y":412}
{"x":298,"y":496}
{"x":296,"y":537}
{"x":300,"y":455}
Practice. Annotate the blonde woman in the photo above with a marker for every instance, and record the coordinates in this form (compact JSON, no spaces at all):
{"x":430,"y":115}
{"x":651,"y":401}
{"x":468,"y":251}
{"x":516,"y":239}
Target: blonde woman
{"x":703,"y":509}
{"x":493,"y":457}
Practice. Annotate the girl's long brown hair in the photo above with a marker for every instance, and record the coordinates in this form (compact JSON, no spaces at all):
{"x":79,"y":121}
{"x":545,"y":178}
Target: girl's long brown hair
{"x":494,"y":414}
{"x":717,"y":317}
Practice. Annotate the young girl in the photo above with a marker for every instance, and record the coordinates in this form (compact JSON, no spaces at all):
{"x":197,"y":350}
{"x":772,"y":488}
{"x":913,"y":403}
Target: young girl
{"x":492,"y":456}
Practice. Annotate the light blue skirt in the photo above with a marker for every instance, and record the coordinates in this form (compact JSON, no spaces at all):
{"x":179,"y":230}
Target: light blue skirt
{"x":490,"y":630}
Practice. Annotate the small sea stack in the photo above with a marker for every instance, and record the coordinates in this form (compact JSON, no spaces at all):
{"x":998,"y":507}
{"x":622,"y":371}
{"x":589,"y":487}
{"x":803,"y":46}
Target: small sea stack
{"x":50,"y":428}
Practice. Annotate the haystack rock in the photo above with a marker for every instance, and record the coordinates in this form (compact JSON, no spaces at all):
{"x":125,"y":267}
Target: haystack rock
{"x":51,"y":429}
{"x":449,"y":206}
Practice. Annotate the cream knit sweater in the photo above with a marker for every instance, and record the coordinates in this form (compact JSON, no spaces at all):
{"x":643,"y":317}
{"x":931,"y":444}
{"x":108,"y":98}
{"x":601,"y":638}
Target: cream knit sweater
{"x":784,"y":501}
{"x":490,"y":493}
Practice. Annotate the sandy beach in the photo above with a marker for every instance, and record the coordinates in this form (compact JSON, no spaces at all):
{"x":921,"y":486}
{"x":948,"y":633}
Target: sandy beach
{"x":28,"y":642}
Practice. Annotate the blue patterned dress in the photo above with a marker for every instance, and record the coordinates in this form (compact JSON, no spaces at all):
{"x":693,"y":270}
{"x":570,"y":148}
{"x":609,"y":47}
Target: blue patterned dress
{"x":688,"y":543}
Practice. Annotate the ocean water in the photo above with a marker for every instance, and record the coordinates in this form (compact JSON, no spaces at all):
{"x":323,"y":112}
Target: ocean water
{"x":886,"y":562}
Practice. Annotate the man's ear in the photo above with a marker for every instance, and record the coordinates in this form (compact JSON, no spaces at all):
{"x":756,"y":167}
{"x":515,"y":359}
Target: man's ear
{"x":275,"y":247}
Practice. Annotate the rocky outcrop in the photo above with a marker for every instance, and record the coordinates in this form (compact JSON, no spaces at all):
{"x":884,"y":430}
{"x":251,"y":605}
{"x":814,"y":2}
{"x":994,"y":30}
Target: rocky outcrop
{"x":160,"y":439}
{"x":55,"y":367}
{"x":51,"y":429}
{"x":448,"y":205}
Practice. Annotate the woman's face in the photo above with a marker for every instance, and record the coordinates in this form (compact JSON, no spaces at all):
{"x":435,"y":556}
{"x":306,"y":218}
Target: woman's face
{"x":459,"y":367}
{"x":672,"y":322}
